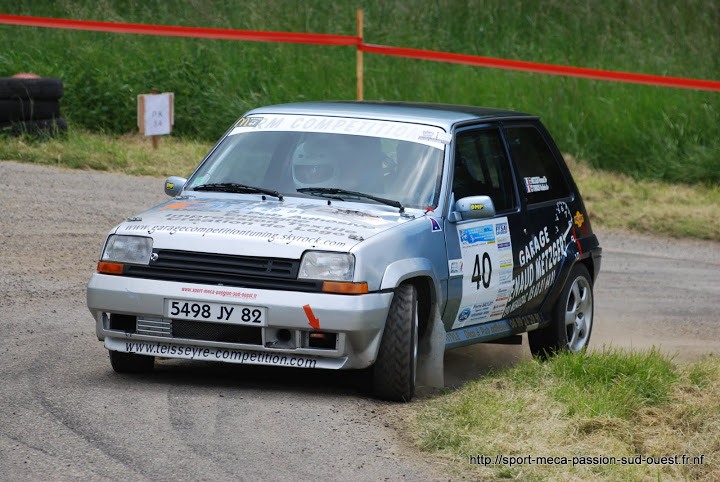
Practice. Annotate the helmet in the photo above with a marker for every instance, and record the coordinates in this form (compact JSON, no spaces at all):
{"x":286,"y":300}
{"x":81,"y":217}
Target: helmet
{"x":315,"y":161}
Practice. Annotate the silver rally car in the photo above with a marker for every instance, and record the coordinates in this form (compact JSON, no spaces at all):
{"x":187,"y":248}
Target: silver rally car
{"x":344,"y":235}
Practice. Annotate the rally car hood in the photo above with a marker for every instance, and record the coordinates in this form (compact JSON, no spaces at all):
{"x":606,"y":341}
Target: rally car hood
{"x":278,"y":229}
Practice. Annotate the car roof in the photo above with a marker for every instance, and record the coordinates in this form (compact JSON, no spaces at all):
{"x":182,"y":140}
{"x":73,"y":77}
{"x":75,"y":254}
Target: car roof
{"x":441,"y":115}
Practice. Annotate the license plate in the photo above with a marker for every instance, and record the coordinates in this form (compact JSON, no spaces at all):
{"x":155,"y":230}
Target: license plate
{"x":215,"y":312}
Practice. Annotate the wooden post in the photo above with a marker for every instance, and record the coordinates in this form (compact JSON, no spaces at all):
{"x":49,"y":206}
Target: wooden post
{"x":155,"y":139}
{"x":359,"y":63}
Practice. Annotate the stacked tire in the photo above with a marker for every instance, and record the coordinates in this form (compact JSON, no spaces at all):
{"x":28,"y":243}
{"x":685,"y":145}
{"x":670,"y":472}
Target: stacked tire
{"x":31,"y":104}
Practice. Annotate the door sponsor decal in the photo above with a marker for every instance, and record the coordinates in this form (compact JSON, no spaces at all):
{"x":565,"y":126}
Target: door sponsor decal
{"x":486,"y":268}
{"x":455,"y":267}
{"x":536,"y":184}
{"x":539,"y":258}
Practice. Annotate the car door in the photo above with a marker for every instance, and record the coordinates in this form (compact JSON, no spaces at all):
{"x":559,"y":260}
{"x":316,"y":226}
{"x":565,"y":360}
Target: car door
{"x":545,"y":197}
{"x":480,"y":251}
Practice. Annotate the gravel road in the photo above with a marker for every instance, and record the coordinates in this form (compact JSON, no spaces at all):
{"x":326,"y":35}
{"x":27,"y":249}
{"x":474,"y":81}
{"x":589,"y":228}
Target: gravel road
{"x":66,"y":415}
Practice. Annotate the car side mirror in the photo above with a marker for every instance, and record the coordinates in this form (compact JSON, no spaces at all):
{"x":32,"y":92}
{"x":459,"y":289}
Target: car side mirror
{"x":473,"y":207}
{"x":174,"y":185}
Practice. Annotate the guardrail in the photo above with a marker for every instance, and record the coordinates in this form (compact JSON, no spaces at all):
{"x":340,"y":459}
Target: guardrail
{"x":361,"y":46}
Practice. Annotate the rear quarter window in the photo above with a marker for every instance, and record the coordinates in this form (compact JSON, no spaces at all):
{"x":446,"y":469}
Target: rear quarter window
{"x":540,"y":174}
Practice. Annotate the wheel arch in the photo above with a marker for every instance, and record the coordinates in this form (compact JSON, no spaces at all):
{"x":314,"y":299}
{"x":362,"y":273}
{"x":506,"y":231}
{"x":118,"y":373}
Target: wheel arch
{"x":426,"y":299}
{"x":419,"y":273}
{"x":572,"y":258}
{"x":588,"y":263}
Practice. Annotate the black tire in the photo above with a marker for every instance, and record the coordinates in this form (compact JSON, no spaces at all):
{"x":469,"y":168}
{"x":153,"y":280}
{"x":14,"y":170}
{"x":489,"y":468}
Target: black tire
{"x":42,"y":127}
{"x":46,"y":88}
{"x":131,"y":363}
{"x":24,"y":109}
{"x":395,"y":369}
{"x":572,"y":318}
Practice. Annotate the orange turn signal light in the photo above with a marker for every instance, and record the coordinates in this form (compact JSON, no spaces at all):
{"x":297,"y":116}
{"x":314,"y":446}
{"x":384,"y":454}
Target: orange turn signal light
{"x":109,"y":268}
{"x":345,"y":288}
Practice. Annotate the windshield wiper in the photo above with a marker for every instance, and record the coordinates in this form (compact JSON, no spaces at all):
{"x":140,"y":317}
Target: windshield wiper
{"x":237,"y":188}
{"x":320,"y":191}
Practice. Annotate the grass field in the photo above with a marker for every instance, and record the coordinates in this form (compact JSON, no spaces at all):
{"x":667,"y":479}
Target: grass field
{"x":644,"y":132}
{"x":579,"y":411}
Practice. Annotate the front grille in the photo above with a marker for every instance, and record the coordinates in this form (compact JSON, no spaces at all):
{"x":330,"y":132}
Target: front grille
{"x":226,"y":270}
{"x":154,"y":327}
{"x":194,"y":330}
{"x":222,"y":263}
{"x":198,"y":330}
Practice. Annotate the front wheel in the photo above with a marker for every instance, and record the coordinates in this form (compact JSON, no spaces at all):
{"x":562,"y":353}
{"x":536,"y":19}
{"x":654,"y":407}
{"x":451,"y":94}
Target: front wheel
{"x":395,"y":369}
{"x":572,"y":318}
{"x":131,"y":363}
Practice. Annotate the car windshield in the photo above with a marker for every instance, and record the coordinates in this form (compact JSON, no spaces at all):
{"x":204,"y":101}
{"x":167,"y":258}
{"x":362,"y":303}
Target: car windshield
{"x":390,"y":160}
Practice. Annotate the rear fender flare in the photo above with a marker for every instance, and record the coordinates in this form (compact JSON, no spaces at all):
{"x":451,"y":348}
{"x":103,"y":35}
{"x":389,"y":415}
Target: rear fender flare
{"x":572,"y":256}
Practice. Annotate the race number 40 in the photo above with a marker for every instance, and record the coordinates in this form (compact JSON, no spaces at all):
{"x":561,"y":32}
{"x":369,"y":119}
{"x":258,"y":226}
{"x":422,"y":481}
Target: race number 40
{"x":482,"y":271}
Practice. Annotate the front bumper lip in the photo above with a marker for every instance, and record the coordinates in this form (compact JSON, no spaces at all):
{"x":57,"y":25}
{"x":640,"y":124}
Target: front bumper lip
{"x":195,"y":350}
{"x":359,"y":320}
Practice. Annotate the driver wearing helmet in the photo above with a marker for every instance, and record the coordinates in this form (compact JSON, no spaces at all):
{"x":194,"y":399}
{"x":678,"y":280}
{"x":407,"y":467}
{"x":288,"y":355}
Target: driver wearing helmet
{"x":315,"y":161}
{"x":338,"y":160}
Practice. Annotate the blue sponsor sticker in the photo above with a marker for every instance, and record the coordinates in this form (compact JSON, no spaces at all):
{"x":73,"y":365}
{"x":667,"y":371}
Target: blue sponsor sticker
{"x":464,"y":314}
{"x":435,"y":225}
{"x":505,"y":245}
{"x":478,"y":234}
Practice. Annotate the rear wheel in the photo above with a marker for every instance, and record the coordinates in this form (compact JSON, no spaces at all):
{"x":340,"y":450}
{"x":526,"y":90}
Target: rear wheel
{"x":131,"y":363}
{"x":572,"y":318}
{"x":395,"y":369}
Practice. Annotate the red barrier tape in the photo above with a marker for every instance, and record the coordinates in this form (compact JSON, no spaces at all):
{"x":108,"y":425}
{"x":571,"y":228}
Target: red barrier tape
{"x":215,"y":33}
{"x":543,"y":68}
{"x":325,"y":39}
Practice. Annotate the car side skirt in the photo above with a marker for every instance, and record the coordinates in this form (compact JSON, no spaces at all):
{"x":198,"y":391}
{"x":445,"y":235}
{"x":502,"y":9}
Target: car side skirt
{"x":494,"y":330}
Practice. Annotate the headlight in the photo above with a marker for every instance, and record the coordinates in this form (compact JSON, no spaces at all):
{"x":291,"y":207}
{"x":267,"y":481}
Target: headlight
{"x":128,"y":249}
{"x":327,"y":266}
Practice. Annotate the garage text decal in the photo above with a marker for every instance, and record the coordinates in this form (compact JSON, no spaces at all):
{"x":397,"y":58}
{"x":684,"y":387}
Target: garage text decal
{"x":539,"y":258}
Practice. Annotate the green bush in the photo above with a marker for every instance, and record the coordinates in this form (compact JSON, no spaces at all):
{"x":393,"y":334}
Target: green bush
{"x":645,"y":131}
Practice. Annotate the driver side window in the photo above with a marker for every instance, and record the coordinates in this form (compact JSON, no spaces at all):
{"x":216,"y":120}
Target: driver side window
{"x":482,"y":168}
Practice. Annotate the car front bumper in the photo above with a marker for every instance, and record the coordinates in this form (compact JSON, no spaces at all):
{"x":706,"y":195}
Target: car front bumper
{"x":351,"y":325}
